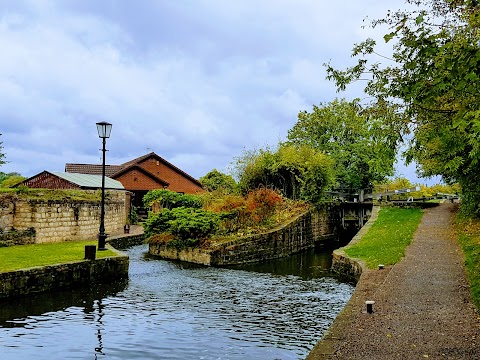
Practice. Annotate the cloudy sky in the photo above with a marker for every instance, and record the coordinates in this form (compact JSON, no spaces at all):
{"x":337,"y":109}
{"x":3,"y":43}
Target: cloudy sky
{"x":196,"y":81}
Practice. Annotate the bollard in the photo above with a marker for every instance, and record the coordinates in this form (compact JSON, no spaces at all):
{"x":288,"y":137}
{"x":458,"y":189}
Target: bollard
{"x":90,"y":252}
{"x":380,"y":266}
{"x":369,"y":306}
{"x":126,"y":229}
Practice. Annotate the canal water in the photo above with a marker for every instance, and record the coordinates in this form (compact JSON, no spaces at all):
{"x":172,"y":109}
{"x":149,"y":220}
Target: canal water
{"x":173,"y":310}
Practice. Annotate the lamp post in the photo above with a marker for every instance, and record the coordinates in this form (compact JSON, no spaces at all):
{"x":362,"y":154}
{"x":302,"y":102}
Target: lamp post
{"x":104,"y":129}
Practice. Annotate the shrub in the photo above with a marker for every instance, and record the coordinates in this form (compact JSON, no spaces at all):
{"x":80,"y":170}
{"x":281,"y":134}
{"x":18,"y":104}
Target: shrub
{"x":157,"y":223}
{"x":188,"y":226}
{"x":194,"y":224}
{"x":261,"y":203}
{"x":170,"y":199}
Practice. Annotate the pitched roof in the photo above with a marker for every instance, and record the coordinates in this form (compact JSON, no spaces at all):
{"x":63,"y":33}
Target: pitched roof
{"x":115,"y":170}
{"x":92,"y":169}
{"x":159,"y":158}
{"x":146,"y":172}
{"x":90,"y":181}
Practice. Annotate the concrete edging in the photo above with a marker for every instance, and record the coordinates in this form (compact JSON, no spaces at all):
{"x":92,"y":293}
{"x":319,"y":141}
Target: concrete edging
{"x":351,"y":269}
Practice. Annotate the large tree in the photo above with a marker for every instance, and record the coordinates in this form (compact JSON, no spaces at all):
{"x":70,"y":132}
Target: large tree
{"x":431,"y":87}
{"x":218,"y":181}
{"x":299,"y":172}
{"x":363,"y":147}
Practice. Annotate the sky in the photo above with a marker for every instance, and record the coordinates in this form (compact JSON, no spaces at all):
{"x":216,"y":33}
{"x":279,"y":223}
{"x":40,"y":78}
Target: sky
{"x":195,"y":81}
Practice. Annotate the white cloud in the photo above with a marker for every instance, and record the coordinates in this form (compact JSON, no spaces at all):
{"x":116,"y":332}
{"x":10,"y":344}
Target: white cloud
{"x":194,"y":81}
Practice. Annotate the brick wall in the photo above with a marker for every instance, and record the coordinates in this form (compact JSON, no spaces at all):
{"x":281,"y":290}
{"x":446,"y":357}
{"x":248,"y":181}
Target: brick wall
{"x":62,"y":220}
{"x":177,"y":182}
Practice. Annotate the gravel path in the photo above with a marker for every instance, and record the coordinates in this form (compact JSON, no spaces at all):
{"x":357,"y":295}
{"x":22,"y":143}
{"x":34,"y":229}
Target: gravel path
{"x":422,"y":305}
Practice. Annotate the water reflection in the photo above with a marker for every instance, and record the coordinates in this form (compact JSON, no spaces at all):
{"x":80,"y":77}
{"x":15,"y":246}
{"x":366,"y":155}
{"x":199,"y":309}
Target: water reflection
{"x":11,"y":311}
{"x":170,"y":310}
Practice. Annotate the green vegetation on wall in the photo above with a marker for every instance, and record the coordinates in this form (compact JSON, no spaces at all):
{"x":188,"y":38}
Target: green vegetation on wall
{"x":221,"y":216}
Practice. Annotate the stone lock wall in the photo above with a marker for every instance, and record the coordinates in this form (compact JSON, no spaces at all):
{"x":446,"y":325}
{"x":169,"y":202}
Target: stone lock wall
{"x":300,"y":234}
{"x":61,"y":220}
{"x":63,"y":276}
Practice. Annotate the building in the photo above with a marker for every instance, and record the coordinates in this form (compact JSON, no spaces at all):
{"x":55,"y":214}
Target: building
{"x":138,"y":176}
{"x":61,"y":180}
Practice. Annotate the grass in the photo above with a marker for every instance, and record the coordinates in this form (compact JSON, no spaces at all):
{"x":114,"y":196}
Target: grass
{"x":50,"y":194}
{"x":386,"y":240}
{"x":468,"y":231}
{"x":26,"y":256}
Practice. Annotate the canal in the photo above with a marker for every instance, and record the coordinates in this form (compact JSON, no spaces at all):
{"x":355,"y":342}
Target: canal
{"x":172,"y":310}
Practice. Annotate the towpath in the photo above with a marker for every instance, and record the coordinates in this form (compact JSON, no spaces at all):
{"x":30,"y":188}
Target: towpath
{"x":422,"y":309}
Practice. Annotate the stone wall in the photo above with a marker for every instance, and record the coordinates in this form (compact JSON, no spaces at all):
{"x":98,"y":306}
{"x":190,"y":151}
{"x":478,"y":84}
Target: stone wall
{"x":300,"y":234}
{"x":348,"y":268}
{"x":61,"y":220}
{"x":63,"y":276}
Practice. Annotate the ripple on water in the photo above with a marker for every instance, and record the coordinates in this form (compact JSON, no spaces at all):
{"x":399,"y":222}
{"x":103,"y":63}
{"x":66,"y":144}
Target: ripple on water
{"x":177,"y":311}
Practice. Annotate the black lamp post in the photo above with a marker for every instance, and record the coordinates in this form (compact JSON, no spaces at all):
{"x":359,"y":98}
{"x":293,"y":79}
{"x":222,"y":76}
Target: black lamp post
{"x":104,"y":129}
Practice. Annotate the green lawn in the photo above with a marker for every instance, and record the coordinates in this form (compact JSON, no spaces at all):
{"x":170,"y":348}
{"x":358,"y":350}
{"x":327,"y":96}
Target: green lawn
{"x":469,"y":237}
{"x":25,"y":256}
{"x":386,"y":240}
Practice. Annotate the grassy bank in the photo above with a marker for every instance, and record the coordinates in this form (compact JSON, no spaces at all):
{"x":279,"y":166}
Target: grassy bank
{"x":25,"y":256}
{"x":388,"y":237}
{"x":469,"y":238}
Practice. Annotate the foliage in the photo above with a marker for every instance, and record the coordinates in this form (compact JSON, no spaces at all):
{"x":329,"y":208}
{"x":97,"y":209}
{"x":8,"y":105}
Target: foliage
{"x":425,"y":191}
{"x":4,"y":176}
{"x":169,"y":199}
{"x":261,"y":203}
{"x":192,"y":225}
{"x":431,"y":88}
{"x":11,"y":180}
{"x":26,"y":256}
{"x":187,"y":225}
{"x":299,"y":172}
{"x":221,"y":216}
{"x":362,"y":147}
{"x":157,"y":223}
{"x":218,"y":181}
{"x":50,"y":194}
{"x":469,"y":237}
{"x":2,"y":155}
{"x":387,"y":238}
{"x":133,"y":216}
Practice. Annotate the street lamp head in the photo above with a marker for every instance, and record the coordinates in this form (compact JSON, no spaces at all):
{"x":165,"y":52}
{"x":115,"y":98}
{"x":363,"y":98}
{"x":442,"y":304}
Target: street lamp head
{"x":104,"y":129}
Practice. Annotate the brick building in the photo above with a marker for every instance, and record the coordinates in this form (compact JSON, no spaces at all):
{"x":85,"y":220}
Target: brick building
{"x":142,"y":174}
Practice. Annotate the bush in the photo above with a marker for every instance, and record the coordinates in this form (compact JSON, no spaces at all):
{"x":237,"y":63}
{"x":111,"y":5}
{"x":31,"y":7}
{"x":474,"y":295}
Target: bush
{"x":157,"y":223}
{"x":170,"y":199}
{"x":188,"y":226}
{"x":195,"y":224}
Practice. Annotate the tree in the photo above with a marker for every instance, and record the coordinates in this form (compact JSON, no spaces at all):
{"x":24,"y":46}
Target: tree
{"x":299,"y":172}
{"x":362,"y":147}
{"x":2,"y":155}
{"x":218,"y":181}
{"x":10,"y":179}
{"x":431,"y":88}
